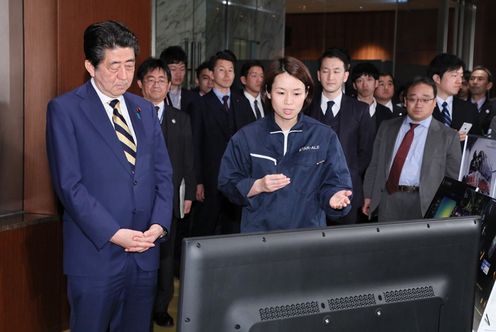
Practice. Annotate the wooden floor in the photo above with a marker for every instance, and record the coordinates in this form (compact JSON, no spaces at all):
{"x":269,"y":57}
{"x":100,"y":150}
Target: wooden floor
{"x":172,"y":311}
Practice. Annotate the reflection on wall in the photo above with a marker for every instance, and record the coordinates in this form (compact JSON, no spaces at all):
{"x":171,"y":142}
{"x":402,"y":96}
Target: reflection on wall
{"x":11,"y":106}
{"x":253,"y":29}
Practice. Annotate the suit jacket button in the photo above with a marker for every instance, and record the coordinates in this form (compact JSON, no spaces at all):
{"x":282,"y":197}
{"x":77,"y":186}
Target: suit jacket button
{"x":135,"y":182}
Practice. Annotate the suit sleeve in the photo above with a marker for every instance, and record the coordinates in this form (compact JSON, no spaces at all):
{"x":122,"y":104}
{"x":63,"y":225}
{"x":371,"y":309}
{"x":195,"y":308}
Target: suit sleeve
{"x":189,"y":169}
{"x":366,"y":132}
{"x":453,"y":158}
{"x":336,"y":177}
{"x":162,"y":207}
{"x":235,"y":180}
{"x":371,"y":172}
{"x":198,"y":132}
{"x":62,"y":148}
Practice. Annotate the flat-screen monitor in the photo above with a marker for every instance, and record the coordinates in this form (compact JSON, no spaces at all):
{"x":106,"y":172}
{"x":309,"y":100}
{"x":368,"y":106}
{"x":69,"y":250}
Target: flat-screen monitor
{"x":402,"y":276}
{"x":455,"y":198}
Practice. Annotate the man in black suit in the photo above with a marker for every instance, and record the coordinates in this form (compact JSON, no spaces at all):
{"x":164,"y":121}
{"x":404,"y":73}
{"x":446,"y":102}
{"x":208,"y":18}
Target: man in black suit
{"x":215,"y":118}
{"x":479,"y":84}
{"x":364,"y":77}
{"x":154,"y":79}
{"x":447,"y":71}
{"x":204,"y":81}
{"x":252,"y":78}
{"x":176,"y":59}
{"x":384,"y":94}
{"x":350,"y":120}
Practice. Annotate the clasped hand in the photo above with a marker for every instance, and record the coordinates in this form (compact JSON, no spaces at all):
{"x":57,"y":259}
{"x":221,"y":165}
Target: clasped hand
{"x":136,"y":241}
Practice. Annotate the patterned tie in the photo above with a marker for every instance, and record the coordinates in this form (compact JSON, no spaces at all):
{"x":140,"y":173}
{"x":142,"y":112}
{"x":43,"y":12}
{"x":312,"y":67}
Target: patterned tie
{"x":157,"y":108}
{"x":399,"y":160}
{"x":257,"y":110}
{"x":124,"y":134}
{"x":329,"y":116}
{"x":225,"y":103}
{"x":446,"y":115}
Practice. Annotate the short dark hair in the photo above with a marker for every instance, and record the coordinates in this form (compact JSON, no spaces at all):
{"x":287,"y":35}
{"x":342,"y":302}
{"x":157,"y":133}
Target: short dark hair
{"x":248,"y":65}
{"x":338,"y":53}
{"x":295,"y":68}
{"x":222,"y":55}
{"x":442,"y":63}
{"x":486,"y":70}
{"x":381,"y":74}
{"x":174,"y":54}
{"x":421,"y":80}
{"x":106,"y":35}
{"x":151,"y":64}
{"x":364,"y":69}
{"x":202,"y":66}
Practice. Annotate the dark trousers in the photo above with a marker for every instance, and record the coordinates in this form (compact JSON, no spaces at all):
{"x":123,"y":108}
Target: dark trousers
{"x":121,"y":302}
{"x":218,"y":216}
{"x":165,"y":283}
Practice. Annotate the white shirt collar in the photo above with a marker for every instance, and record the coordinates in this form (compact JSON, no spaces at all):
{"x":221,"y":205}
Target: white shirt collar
{"x":337,"y":103}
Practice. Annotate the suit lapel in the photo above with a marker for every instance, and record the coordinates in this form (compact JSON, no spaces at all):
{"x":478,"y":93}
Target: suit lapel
{"x":218,"y":112}
{"x":95,"y":112}
{"x":389,"y":145}
{"x":134,"y":114}
{"x":431,"y":142}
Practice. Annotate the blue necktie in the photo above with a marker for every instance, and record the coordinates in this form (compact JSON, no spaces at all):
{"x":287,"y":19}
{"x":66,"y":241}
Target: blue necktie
{"x":446,"y":115}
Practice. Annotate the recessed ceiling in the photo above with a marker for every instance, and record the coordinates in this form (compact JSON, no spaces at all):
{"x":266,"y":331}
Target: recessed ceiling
{"x":323,"y":6}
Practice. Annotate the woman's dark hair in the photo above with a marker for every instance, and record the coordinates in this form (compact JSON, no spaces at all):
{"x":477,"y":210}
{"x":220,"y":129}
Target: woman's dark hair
{"x":107,"y":35}
{"x":295,"y":68}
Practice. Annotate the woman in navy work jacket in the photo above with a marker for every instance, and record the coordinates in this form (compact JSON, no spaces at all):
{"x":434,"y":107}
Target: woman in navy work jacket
{"x":287,"y":170}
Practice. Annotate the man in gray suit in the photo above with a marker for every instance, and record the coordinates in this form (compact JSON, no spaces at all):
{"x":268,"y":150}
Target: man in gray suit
{"x":411,"y":157}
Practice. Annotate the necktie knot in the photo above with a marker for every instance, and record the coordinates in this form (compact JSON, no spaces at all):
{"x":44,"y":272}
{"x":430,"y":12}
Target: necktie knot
{"x":157,"y":109}
{"x":225,"y":98}
{"x":413,"y":125}
{"x":445,"y":105}
{"x":330,"y":103}
{"x":114,"y":103}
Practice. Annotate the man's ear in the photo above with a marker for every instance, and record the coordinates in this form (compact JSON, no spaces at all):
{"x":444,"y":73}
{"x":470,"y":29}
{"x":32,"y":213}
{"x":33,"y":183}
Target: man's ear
{"x":346,"y":75}
{"x":89,"y":68}
{"x":140,"y":84}
{"x":243,"y":80}
{"x":436,"y":78}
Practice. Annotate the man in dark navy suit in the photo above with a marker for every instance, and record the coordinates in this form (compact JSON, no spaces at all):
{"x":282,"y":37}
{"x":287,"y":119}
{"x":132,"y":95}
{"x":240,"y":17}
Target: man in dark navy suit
{"x":154,"y":80}
{"x":480,"y":83}
{"x":384,"y":94}
{"x":252,"y":78}
{"x":111,"y":171}
{"x":364,"y":77}
{"x":447,"y":71}
{"x":215,"y":118}
{"x":350,"y":120}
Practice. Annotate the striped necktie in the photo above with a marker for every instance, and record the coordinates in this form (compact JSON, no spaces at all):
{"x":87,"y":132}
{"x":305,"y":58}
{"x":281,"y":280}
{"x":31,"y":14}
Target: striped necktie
{"x":446,"y":115}
{"x":123,"y":134}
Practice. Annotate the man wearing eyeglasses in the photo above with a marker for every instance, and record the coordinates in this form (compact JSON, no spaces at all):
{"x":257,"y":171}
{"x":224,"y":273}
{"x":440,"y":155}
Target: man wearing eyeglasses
{"x":154,"y":79}
{"x":411,"y":157}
